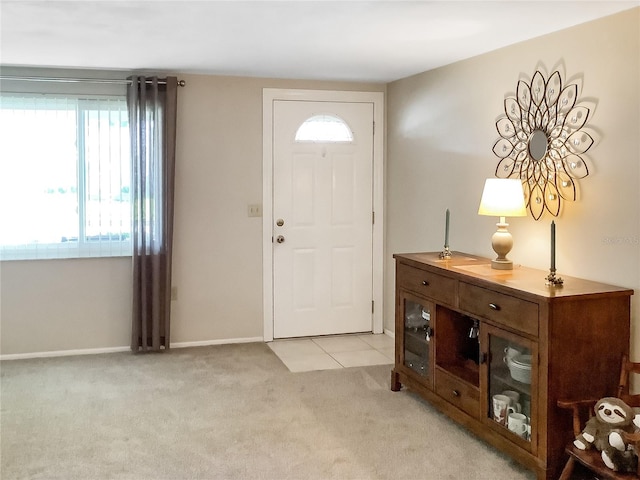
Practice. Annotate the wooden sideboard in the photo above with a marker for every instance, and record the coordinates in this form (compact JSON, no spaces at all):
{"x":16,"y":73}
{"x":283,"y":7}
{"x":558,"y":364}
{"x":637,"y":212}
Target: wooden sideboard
{"x":465,"y":333}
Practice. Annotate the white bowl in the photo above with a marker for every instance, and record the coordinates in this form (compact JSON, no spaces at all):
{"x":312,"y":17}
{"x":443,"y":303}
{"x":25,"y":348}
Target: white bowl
{"x":522,"y":360}
{"x":520,"y":368}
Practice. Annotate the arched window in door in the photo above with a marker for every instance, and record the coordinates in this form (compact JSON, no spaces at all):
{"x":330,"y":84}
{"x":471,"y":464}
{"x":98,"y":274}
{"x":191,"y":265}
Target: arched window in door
{"x":324,"y":128}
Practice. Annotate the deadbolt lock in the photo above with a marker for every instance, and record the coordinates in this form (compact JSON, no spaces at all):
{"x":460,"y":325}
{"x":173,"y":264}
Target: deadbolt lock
{"x":280,"y":222}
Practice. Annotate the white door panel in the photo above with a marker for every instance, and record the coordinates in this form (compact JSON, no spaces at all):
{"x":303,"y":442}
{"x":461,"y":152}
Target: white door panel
{"x":322,"y":271}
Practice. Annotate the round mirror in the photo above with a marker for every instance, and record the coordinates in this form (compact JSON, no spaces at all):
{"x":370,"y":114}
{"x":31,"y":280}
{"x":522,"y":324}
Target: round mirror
{"x":538,"y":145}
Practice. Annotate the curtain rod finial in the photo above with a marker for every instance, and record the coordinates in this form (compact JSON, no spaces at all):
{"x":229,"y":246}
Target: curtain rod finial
{"x":181,"y":83}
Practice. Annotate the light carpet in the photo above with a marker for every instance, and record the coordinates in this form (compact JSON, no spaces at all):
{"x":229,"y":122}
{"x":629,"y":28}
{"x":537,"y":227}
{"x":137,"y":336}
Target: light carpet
{"x":225,"y":412}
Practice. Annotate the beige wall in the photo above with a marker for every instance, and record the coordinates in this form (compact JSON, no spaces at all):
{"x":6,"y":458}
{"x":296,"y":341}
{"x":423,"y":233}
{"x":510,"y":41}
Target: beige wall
{"x":440,"y":134}
{"x":218,"y":257}
{"x":50,"y":305}
{"x":85,"y":304}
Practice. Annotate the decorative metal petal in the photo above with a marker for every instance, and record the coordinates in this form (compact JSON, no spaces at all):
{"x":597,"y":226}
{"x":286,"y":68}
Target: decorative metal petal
{"x":575,"y":167}
{"x":503,"y":148}
{"x":554,"y":153}
{"x":579,"y":142}
{"x":527,"y":192}
{"x":512,"y":109}
{"x":538,"y":119}
{"x":537,"y":88}
{"x":522,"y":155}
{"x":556,"y":144}
{"x":576,"y":118}
{"x":536,"y":201}
{"x":566,"y":186}
{"x":521,"y":146}
{"x":505,"y":127}
{"x":545,"y":119}
{"x":546,"y":173}
{"x":531,"y":120}
{"x":553,"y":123}
{"x":553,"y":115}
{"x":523,"y":95}
{"x":535,"y":172}
{"x":567,"y":98}
{"x":505,"y":167}
{"x":556,"y":131}
{"x":554,"y":86}
{"x":551,"y":199}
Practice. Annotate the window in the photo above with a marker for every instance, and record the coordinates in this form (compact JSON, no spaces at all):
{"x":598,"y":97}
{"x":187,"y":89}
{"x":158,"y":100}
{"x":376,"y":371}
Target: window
{"x":324,"y":128}
{"x":64,"y":176}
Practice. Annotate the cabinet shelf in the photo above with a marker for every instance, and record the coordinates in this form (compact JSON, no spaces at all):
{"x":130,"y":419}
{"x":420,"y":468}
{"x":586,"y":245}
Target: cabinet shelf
{"x":416,"y":343}
{"x":420,"y":335}
{"x":467,"y":371}
{"x":502,"y":376}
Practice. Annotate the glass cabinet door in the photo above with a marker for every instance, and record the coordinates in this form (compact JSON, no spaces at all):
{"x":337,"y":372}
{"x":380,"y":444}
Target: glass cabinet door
{"x":418,"y":320}
{"x":509,"y":379}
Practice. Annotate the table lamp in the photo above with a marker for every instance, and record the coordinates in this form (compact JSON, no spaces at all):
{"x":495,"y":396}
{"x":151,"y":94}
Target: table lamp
{"x":502,"y":197}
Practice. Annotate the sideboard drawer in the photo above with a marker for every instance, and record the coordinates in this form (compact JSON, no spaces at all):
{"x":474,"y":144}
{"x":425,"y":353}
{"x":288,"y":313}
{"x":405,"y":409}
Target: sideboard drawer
{"x":458,"y":393}
{"x":432,"y":285}
{"x":509,"y":311}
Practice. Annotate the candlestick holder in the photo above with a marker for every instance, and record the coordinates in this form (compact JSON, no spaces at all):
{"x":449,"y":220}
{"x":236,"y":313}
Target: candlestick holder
{"x":446,"y":253}
{"x":552,"y":280}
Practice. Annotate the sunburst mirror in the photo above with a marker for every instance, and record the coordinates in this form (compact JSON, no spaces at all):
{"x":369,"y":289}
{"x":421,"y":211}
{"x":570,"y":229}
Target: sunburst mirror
{"x":542,"y":142}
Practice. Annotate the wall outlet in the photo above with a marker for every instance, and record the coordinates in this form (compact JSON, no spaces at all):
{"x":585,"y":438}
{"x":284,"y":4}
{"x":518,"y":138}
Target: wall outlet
{"x":255,"y":210}
{"x":174,"y":293}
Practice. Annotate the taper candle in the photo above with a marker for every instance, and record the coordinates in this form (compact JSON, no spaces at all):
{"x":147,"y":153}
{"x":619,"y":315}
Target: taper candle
{"x":553,"y":246}
{"x":446,"y":231}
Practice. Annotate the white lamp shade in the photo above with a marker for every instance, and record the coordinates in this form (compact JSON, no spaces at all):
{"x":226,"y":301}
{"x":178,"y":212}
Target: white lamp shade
{"x":502,"y":197}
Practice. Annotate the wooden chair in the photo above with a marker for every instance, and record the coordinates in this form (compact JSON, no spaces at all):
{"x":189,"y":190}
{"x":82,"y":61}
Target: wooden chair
{"x":591,"y":460}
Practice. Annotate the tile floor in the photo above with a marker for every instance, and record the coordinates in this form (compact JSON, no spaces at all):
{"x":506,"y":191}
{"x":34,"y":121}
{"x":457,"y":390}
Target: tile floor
{"x":335,"y":351}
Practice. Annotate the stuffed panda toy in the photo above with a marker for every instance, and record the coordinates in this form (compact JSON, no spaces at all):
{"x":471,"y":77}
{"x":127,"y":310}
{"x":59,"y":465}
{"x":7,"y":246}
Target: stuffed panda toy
{"x":602,"y":432}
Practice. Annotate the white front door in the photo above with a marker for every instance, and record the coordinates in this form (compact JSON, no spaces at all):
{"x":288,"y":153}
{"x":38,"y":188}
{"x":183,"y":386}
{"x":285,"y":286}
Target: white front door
{"x":322,"y":220}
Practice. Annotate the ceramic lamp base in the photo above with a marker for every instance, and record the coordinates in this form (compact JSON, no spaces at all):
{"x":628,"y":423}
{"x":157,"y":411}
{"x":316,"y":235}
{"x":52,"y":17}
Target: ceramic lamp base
{"x":498,"y":264}
{"x":502,"y":242}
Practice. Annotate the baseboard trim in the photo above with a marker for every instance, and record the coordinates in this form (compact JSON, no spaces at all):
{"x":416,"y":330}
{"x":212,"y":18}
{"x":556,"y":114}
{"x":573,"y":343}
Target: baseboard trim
{"x":63,"y":353}
{"x":390,"y":333}
{"x":96,"y":351}
{"x":224,"y":341}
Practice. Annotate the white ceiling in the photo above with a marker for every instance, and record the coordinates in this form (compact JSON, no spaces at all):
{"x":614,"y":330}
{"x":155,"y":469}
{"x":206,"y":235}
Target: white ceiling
{"x":377,"y":41}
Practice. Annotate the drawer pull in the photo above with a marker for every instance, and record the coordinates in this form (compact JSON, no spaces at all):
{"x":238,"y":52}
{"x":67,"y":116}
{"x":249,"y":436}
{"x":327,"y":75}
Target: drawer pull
{"x":494,"y":306}
{"x":455,"y":393}
{"x":425,"y":283}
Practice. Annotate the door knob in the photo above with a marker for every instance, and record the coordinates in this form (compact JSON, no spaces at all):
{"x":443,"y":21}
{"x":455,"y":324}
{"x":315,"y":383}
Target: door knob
{"x":280,"y":239}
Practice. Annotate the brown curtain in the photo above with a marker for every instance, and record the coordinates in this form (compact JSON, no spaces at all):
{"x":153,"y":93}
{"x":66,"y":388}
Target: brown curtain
{"x":152,"y":125}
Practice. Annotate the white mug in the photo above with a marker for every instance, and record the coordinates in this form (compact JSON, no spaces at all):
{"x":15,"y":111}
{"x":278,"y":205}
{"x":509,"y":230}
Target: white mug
{"x":501,"y":408}
{"x":514,"y":397}
{"x":517,"y":423}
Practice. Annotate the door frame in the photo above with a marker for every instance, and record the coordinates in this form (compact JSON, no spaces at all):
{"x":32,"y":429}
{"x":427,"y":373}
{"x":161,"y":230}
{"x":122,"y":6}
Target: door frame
{"x":269,"y":96}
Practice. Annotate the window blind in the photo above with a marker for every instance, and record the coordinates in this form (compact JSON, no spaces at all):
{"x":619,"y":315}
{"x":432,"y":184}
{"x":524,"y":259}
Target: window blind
{"x":65,"y":176}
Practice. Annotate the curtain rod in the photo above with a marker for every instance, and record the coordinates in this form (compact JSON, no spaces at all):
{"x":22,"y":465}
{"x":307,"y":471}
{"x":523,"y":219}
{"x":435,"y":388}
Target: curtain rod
{"x":181,"y":83}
